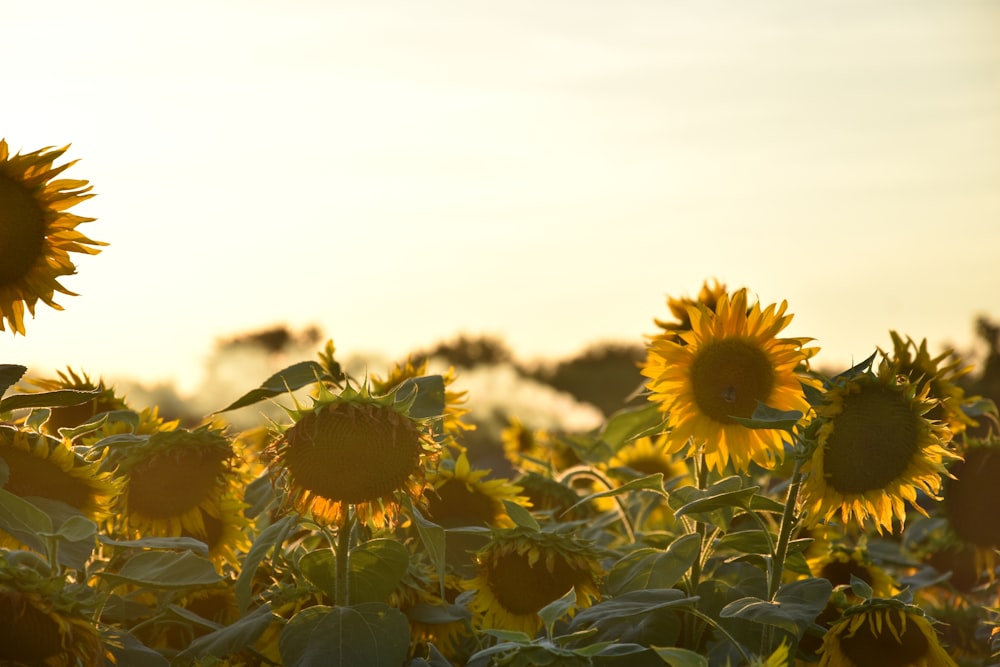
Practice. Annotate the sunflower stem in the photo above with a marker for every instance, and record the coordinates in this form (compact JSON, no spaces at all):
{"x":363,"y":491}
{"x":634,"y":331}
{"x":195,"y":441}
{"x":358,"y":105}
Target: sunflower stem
{"x":785,"y":531}
{"x":342,"y":559}
{"x":701,"y":529}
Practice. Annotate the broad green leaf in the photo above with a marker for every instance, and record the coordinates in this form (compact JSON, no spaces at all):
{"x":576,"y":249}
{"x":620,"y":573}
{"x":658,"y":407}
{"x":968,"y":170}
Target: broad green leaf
{"x":717,"y":501}
{"x":654,"y":568}
{"x":861,"y":588}
{"x":513,"y":636}
{"x":165,"y":569}
{"x":652,"y":483}
{"x":178,"y":543}
{"x":521,"y":516}
{"x":23,"y":519}
{"x":555,"y":610}
{"x":432,"y":536}
{"x":365,"y":635}
{"x":9,"y":374}
{"x":376,"y":568}
{"x":680,"y":657}
{"x":979,"y":408}
{"x":631,"y":604}
{"x":127,"y":650}
{"x":854,"y":371}
{"x":268,"y":539}
{"x":765,"y":416}
{"x":232,"y":638}
{"x":77,"y":529}
{"x":294,"y":377}
{"x":794,"y":609}
{"x":76,"y":532}
{"x":631,"y":423}
{"x":748,"y":542}
{"x":424,"y":396}
{"x":319,"y":566}
{"x":49,"y":399}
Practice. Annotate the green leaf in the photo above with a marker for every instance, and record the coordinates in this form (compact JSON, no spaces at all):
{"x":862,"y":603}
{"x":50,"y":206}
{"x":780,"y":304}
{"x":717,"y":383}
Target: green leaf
{"x":23,"y":519}
{"x":427,"y":394}
{"x":764,"y":416}
{"x":164,"y":569}
{"x":747,"y":542}
{"x":232,"y":638}
{"x":77,"y":529}
{"x":855,"y":370}
{"x":861,"y":588}
{"x":49,"y":399}
{"x":521,"y":516}
{"x":294,"y":377}
{"x":432,"y":536}
{"x":127,"y":650}
{"x":268,"y":539}
{"x":365,"y":635}
{"x":979,"y":408}
{"x":555,"y":610}
{"x":631,"y":423}
{"x":716,"y":501}
{"x":794,"y":609}
{"x":652,"y":483}
{"x":680,"y":657}
{"x":319,"y":567}
{"x":629,"y":604}
{"x":375,"y":569}
{"x":10,"y":374}
{"x":654,"y":568}
{"x":178,"y":543}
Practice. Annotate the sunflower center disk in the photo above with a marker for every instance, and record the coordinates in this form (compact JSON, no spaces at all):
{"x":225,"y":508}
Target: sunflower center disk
{"x":728,"y":377}
{"x":28,"y":634}
{"x":33,"y":476}
{"x":971,"y":495}
{"x":353,"y":455}
{"x":22,"y":230}
{"x":874,"y":439}
{"x":173,"y":483}
{"x":868,"y":648}
{"x":524,"y":589}
{"x":453,"y":505}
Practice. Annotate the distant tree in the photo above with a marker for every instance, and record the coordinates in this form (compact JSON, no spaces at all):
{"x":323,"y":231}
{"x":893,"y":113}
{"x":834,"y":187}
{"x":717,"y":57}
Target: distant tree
{"x":470,"y":351}
{"x":273,"y":339}
{"x":604,"y":375}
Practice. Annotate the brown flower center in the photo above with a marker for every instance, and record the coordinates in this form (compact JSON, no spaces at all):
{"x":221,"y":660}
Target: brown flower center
{"x":22,"y":230}
{"x":353,"y":454}
{"x":838,"y":572}
{"x":33,"y":476}
{"x":28,"y":635}
{"x":729,"y":376}
{"x":971,"y":497}
{"x":455,"y":505}
{"x":866,"y":648}
{"x":873,"y":441}
{"x":173,"y":482}
{"x":524,"y":589}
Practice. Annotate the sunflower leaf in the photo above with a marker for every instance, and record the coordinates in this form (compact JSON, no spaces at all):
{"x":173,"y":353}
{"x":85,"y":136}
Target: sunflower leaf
{"x":165,"y":569}
{"x":794,"y":608}
{"x":376,"y":567}
{"x":432,"y":536}
{"x":232,"y":638}
{"x":764,"y":416}
{"x":365,"y":635}
{"x":60,"y":398}
{"x":854,"y":371}
{"x":269,"y":538}
{"x":631,"y":423}
{"x":521,"y":516}
{"x":652,"y":483}
{"x":423,"y":397}
{"x":555,"y":610}
{"x":680,"y":657}
{"x":23,"y":519}
{"x":649,"y":568}
{"x":294,"y":377}
{"x":9,"y":374}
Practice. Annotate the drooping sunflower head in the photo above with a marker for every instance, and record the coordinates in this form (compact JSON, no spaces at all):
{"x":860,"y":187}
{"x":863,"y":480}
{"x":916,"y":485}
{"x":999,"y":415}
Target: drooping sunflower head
{"x":971,"y":494}
{"x":875,"y":450}
{"x":521,"y":571}
{"x":841,"y":563}
{"x":883,"y":633}
{"x":352,"y":450}
{"x":43,"y":623}
{"x":37,"y":234}
{"x":709,"y":296}
{"x":46,"y":467}
{"x":172,"y":480}
{"x":730,"y":360}
{"x":74,"y":415}
{"x":462,"y":496}
{"x":940,"y":374}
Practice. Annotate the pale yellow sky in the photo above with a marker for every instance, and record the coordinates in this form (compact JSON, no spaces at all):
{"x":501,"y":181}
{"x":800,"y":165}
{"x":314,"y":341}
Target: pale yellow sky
{"x":544,"y":171}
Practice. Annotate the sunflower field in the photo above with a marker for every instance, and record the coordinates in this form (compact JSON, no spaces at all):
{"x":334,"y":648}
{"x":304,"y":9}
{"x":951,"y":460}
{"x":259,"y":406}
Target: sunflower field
{"x":749,"y":509}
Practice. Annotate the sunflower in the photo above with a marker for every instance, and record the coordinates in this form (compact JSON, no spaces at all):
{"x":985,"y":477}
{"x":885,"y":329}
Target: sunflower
{"x":453,"y":400}
{"x":730,"y":360}
{"x":941,"y":374}
{"x":970,"y":493}
{"x":549,"y":497}
{"x":433,"y":619}
{"x":352,"y":450}
{"x":875,"y":450}
{"x":172,"y":480}
{"x":73,"y":415}
{"x":460,"y":496}
{"x":883,"y":633}
{"x":840,"y":563}
{"x":46,"y":467}
{"x":226,"y":528}
{"x":709,"y":295}
{"x":43,"y":624}
{"x":36,"y":232}
{"x":520,"y":571}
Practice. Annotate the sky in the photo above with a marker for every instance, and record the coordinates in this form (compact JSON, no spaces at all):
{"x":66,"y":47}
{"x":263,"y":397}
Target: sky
{"x":547,"y":172}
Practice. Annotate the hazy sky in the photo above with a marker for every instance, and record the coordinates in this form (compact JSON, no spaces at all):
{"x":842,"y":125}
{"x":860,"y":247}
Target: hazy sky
{"x":548,"y":172}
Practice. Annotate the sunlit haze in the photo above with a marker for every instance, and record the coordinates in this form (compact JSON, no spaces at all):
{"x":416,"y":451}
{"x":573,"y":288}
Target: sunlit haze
{"x":546,"y":172}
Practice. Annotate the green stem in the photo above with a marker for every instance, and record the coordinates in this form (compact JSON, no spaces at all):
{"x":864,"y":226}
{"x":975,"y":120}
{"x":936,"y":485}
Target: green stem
{"x":785,"y":530}
{"x":342,"y":559}
{"x":586,"y":471}
{"x":701,"y":481}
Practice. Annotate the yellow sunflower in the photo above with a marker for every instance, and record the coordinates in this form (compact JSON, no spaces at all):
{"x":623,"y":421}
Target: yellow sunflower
{"x":883,"y":633}
{"x":171,"y":482}
{"x":226,"y":528}
{"x":537,"y":450}
{"x":521,"y":571}
{"x":970,"y":495}
{"x":43,"y":466}
{"x":460,"y":496}
{"x":73,"y":415}
{"x":840,"y":563}
{"x":36,"y":232}
{"x":941,"y":374}
{"x":709,"y":295}
{"x":352,"y":450}
{"x":875,"y":451}
{"x":42,"y":623}
{"x":729,"y":360}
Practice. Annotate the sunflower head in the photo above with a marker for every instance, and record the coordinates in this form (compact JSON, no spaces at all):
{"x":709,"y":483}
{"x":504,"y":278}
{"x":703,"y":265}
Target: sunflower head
{"x":709,"y":296}
{"x":730,"y":360}
{"x":44,"y":623}
{"x":462,"y":496}
{"x":883,"y":633}
{"x":970,"y":494}
{"x":73,"y":415}
{"x":172,"y":480}
{"x":521,"y":571}
{"x":37,"y":234}
{"x":841,"y":563}
{"x":941,"y":374}
{"x":352,"y":449}
{"x":875,"y":450}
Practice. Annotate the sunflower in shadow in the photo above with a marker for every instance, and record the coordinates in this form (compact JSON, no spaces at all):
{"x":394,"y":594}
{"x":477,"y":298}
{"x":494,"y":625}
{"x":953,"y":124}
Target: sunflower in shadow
{"x":971,"y":493}
{"x":520,"y":571}
{"x":43,"y":622}
{"x":74,"y":415}
{"x":875,"y":450}
{"x":352,"y":450}
{"x":37,"y":234}
{"x":730,"y":360}
{"x":460,"y":495}
{"x":883,"y":633}
{"x":45,"y":467}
